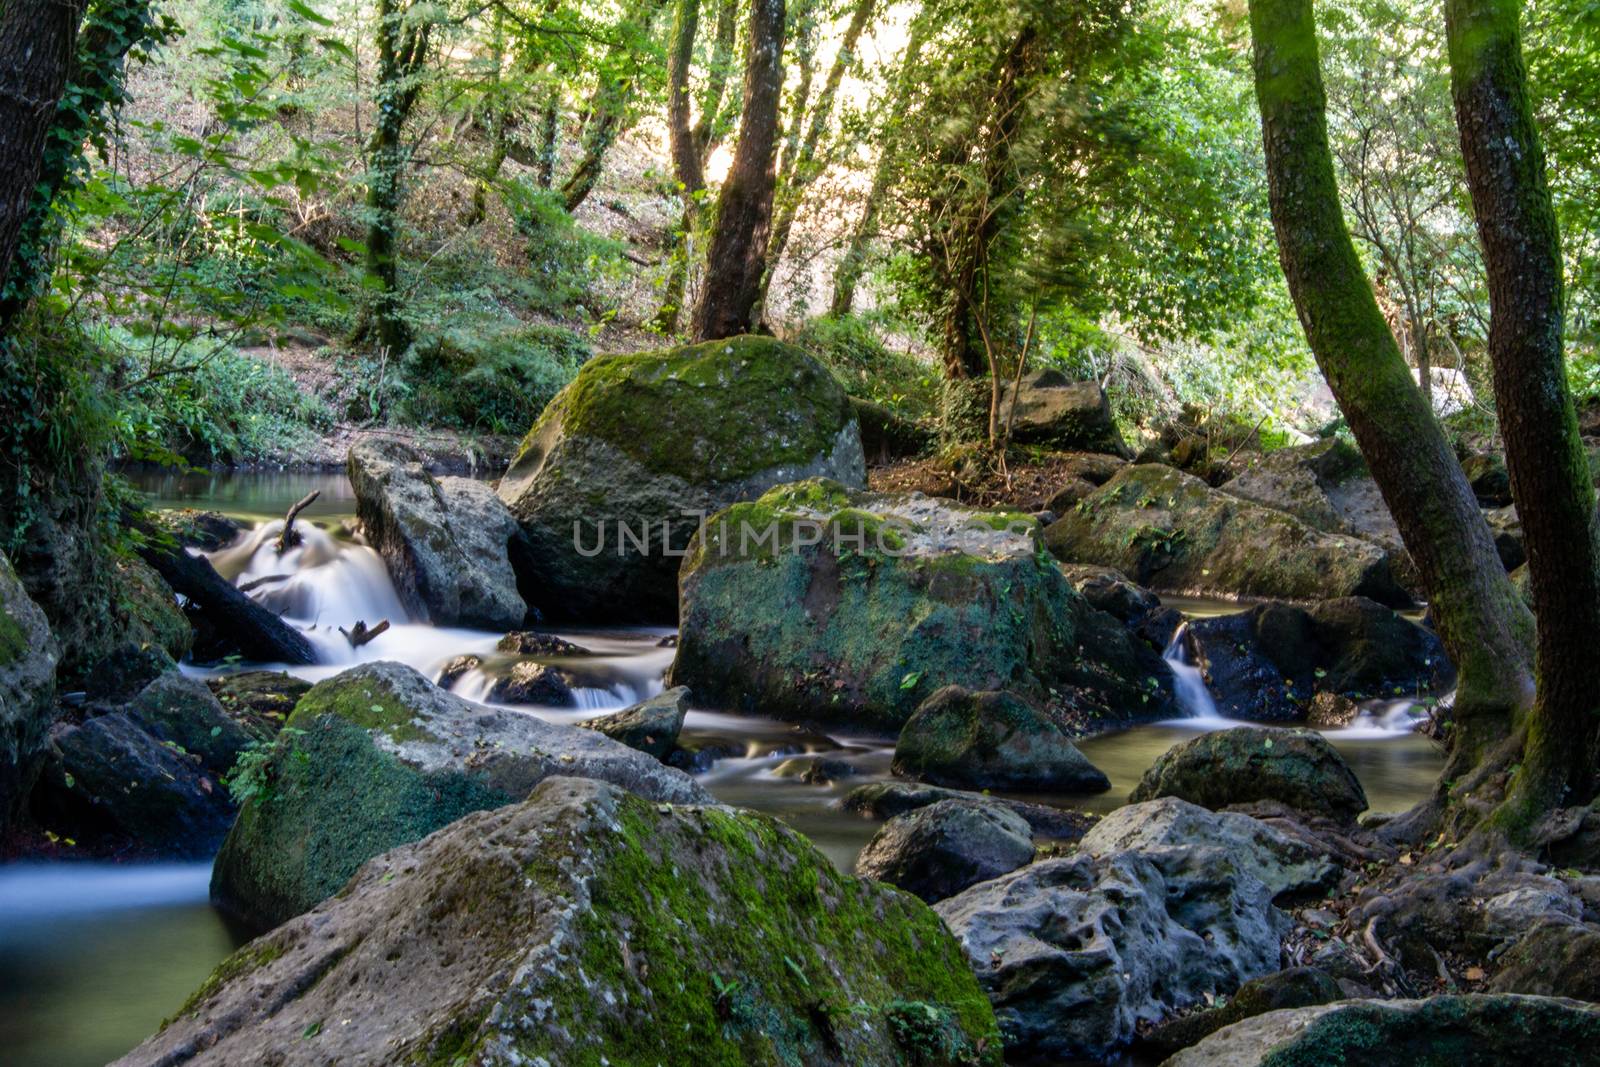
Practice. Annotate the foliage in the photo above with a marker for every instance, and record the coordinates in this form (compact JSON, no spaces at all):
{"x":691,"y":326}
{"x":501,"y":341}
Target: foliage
{"x":849,"y":346}
{"x":490,"y":380}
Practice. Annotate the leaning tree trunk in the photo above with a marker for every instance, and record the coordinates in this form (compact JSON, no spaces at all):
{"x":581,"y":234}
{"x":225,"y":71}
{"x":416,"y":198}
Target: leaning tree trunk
{"x":609,"y":108}
{"x":1483,"y":624}
{"x":1550,"y":478}
{"x":36,"y":52}
{"x":744,"y":210}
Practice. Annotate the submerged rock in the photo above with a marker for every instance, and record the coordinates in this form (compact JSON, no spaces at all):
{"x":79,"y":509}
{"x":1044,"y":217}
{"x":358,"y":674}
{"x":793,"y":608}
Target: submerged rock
{"x":534,"y":643}
{"x":650,"y":726}
{"x":1250,"y":763}
{"x":448,"y":542}
{"x":639,"y":446}
{"x":587,"y":926}
{"x":1455,"y":1030}
{"x":1076,"y":952}
{"x":1171,"y":531}
{"x":1266,"y":664}
{"x":818,"y":604}
{"x":937,"y":851}
{"x":885,"y":800}
{"x":379,"y":756}
{"x":991,"y":741}
{"x":28,"y":655}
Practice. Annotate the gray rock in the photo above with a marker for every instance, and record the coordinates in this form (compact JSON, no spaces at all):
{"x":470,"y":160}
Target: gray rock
{"x":1297,"y":987}
{"x":991,"y":740}
{"x":651,"y":726}
{"x":1076,"y":952}
{"x":526,"y":682}
{"x":28,"y":655}
{"x":379,"y":756}
{"x":937,"y":851}
{"x":1054,"y":411}
{"x":1470,"y":1031}
{"x":534,"y":643}
{"x":1553,"y":959}
{"x":184,"y":711}
{"x":885,"y":800}
{"x":1516,"y":911}
{"x":1280,"y":862}
{"x":649,"y":442}
{"x":1508,"y":539}
{"x":1250,"y":763}
{"x":814,"y":770}
{"x":588,"y":926}
{"x":447,"y":542}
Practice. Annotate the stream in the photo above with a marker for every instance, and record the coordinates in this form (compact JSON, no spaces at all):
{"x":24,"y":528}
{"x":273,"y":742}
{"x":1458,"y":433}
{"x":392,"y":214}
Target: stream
{"x":94,"y":956}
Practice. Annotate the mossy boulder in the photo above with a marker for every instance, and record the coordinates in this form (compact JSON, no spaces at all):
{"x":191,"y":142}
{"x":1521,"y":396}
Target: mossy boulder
{"x":206,"y":530}
{"x":992,"y":740}
{"x":28,"y":655}
{"x":1297,"y":987}
{"x":1559,"y":958}
{"x":1171,"y":531}
{"x":379,"y":756}
{"x":148,"y":609}
{"x":260,"y":700}
{"x":885,"y":800}
{"x":184,"y":712}
{"x":587,"y":926}
{"x":815,"y":603}
{"x":1249,"y":763}
{"x":1048,"y":410}
{"x":448,"y":543}
{"x":610,"y":483}
{"x":1443,"y":1031}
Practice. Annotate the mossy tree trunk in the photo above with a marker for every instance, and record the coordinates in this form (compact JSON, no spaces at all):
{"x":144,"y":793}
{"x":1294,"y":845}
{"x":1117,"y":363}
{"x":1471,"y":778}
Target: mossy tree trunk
{"x":686,"y":162}
{"x":499,"y":127}
{"x":1550,"y":478}
{"x":1485,"y":627}
{"x":611,"y":106}
{"x":737,"y":256}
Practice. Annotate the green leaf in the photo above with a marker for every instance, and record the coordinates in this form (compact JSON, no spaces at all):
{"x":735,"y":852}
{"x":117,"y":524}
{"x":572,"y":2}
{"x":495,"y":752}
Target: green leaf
{"x":305,"y":12}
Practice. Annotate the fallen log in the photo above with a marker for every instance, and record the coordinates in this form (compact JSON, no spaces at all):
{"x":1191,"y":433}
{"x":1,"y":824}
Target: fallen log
{"x":232,"y":618}
{"x":288,"y":537}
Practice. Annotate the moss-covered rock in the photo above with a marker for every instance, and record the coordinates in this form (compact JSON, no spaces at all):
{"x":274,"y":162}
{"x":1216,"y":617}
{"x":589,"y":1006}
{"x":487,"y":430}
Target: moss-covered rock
{"x":206,"y":530}
{"x":1049,"y":410}
{"x":816,"y":603}
{"x":1171,"y":531}
{"x":587,"y":926}
{"x":28,"y":655}
{"x":885,"y":800}
{"x":1445,"y":1031}
{"x":184,"y":712}
{"x":991,"y":740}
{"x":378,"y":756}
{"x":1559,"y":958}
{"x":148,"y":609}
{"x":1249,"y":763}
{"x":261,"y":701}
{"x":610,"y":482}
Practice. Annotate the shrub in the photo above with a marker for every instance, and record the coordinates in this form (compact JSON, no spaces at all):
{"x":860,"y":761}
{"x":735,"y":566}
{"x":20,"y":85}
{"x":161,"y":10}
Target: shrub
{"x":494,"y":380}
{"x":867,"y":368}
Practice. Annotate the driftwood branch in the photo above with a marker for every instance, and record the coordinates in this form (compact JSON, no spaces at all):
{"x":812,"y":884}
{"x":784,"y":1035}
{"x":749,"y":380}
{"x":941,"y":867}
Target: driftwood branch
{"x":271,"y":579}
{"x":360,"y":634}
{"x":289,"y":536}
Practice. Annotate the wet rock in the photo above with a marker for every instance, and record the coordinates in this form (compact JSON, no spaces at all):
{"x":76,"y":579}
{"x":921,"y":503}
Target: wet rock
{"x":1490,"y":480}
{"x":448,"y":542}
{"x":814,"y":770}
{"x":651,"y":726}
{"x":458,"y":668}
{"x":1279,"y":862}
{"x":1077,"y":952}
{"x":1250,"y":763}
{"x":585,"y":925}
{"x":261,"y":700}
{"x":1266,"y":664}
{"x":1484,"y":1030}
{"x":1171,"y":531}
{"x":379,"y":756}
{"x":149,"y":610}
{"x":937,"y":851}
{"x":1330,"y":711}
{"x":885,"y":800}
{"x":533,"y":643}
{"x":1553,"y":959}
{"x":111,"y":785}
{"x":207,"y":531}
{"x":1297,"y":987}
{"x":1507,"y":531}
{"x":858,"y":607}
{"x":991,"y":740}
{"x":1112,"y":592}
{"x":649,"y":441}
{"x":532,"y":683}
{"x":28,"y":655}
{"x":183,"y":712}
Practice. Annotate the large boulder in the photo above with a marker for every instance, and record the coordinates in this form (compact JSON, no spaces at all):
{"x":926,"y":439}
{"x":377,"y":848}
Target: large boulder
{"x":1559,"y":958}
{"x":818,"y":604}
{"x":377,"y":757}
{"x":148,"y":609}
{"x":1251,"y":763}
{"x":937,"y":851}
{"x":991,"y":740}
{"x":1268,"y":663}
{"x":1076,"y":952}
{"x":448,"y":542}
{"x":1051,"y":411}
{"x":1284,"y":864}
{"x":28,"y":656}
{"x":610,"y":484}
{"x":587,"y":926}
{"x":1443,"y":1031}
{"x":1172,"y":531}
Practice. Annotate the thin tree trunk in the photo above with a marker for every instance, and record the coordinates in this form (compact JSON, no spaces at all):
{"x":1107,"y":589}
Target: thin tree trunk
{"x":685,"y":160}
{"x":549,"y":135}
{"x":744,"y":209}
{"x":1483,"y":624}
{"x":608,"y":110}
{"x":714,"y":116}
{"x":1550,"y":478}
{"x":499,"y":120}
{"x":37,"y":42}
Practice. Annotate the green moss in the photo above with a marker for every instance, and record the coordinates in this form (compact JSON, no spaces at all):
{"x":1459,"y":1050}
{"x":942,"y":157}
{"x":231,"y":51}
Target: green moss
{"x":252,"y":957}
{"x":358,"y":701}
{"x":711,"y":413}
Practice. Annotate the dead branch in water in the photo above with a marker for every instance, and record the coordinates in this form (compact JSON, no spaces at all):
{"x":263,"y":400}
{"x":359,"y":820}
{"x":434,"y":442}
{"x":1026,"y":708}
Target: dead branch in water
{"x":289,"y":536}
{"x":359,"y":634}
{"x":268,"y":580}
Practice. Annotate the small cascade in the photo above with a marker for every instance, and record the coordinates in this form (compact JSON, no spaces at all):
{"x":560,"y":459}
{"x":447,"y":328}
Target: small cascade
{"x":321,"y":582}
{"x":1193,"y":696}
{"x":1380,"y":719}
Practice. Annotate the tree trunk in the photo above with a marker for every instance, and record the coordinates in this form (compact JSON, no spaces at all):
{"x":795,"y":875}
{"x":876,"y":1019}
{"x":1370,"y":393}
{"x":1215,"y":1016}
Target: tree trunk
{"x":744,"y":210}
{"x":499,"y":121}
{"x":608,"y":108}
{"x":1550,"y":478}
{"x":549,"y":136}
{"x":1483,"y":624}
{"x":852,"y":264}
{"x":714,"y":116}
{"x":686,"y":161}
{"x":37,"y":42}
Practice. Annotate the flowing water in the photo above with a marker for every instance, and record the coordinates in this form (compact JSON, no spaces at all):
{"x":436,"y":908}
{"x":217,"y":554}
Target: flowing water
{"x":93,"y":957}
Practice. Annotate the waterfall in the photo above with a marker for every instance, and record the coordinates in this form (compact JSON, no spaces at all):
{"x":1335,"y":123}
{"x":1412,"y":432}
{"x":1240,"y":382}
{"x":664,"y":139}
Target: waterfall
{"x":1193,"y":696}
